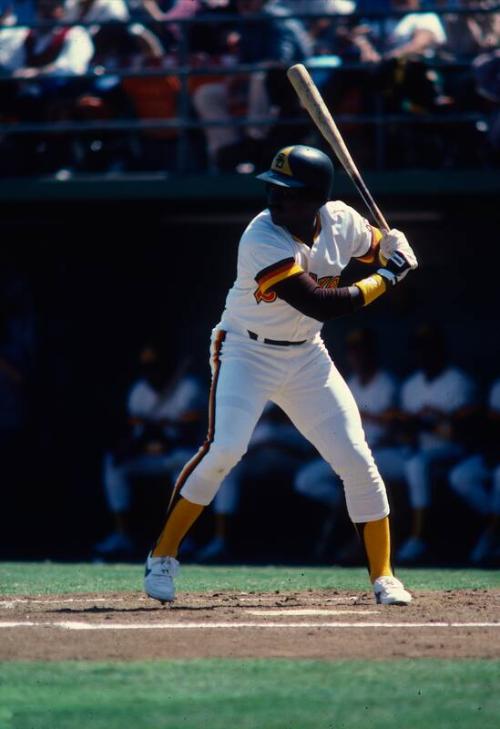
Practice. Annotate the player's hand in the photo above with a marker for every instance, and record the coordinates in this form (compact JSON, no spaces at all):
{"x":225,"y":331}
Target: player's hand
{"x":394,"y":240}
{"x":396,"y":268}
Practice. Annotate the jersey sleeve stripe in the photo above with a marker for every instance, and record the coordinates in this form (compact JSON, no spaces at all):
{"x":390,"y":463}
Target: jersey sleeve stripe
{"x":371,"y":255}
{"x":273,"y":268}
{"x":278,"y":274}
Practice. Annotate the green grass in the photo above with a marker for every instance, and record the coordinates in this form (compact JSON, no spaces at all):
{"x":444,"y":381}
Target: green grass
{"x":46,"y":578}
{"x":231,"y":694}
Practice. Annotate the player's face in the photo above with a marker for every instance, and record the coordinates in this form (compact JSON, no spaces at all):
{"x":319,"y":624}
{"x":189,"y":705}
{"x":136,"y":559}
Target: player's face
{"x":290,"y":207}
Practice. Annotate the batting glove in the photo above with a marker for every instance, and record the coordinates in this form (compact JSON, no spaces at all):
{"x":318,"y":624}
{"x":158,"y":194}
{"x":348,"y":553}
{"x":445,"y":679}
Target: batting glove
{"x":394,"y":241}
{"x":396,"y":268}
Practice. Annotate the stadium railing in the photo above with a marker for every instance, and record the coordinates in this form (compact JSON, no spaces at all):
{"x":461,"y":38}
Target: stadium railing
{"x":184,"y":122}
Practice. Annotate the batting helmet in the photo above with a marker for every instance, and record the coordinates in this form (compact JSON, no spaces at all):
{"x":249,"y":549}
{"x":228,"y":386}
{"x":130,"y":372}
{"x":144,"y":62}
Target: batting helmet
{"x":301,"y":167}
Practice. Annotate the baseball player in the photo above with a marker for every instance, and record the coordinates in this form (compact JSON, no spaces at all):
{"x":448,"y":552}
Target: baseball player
{"x":268,"y":346}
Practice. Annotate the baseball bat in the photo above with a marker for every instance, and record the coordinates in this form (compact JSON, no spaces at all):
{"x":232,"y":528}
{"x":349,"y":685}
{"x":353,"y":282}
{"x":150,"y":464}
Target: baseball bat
{"x":312,"y":100}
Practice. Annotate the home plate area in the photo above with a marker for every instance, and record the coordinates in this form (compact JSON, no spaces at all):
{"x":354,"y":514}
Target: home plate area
{"x":324,"y":624}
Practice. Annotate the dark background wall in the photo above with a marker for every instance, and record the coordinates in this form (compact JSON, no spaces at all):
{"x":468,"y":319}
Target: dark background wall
{"x":105,"y":276}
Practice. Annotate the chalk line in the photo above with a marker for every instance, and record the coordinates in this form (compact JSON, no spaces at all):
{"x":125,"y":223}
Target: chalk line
{"x":203,"y":625}
{"x":309,"y":611}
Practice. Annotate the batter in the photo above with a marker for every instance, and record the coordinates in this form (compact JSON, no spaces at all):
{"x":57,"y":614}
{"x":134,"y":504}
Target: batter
{"x":268,"y":346}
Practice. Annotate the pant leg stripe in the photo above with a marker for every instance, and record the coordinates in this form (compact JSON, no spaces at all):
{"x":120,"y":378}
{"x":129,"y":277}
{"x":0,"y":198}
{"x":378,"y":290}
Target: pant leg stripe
{"x":198,"y":457}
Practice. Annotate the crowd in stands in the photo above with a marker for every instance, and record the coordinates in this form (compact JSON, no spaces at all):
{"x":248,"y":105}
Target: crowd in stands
{"x":123,"y":61}
{"x":434,"y":436}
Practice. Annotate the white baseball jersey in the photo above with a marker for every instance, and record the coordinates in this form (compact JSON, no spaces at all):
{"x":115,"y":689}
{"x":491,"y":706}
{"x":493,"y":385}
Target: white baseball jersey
{"x":374,"y":397}
{"x":269,"y":254}
{"x":145,"y":401}
{"x":448,"y":392}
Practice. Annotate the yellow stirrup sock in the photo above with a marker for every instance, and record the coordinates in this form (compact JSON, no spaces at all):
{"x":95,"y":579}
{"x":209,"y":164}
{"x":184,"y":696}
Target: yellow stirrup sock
{"x":179,"y":522}
{"x":377,"y":541}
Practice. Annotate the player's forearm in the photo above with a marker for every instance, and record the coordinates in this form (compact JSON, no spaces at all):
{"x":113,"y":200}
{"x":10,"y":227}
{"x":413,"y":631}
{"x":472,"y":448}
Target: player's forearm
{"x":304,"y":294}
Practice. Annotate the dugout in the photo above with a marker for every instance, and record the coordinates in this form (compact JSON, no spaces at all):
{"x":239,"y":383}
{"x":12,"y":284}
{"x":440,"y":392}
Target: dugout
{"x":107,"y":262}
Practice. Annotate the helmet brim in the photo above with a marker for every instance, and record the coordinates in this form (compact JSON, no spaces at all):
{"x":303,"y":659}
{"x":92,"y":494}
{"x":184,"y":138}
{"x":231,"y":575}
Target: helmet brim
{"x":276,"y":178}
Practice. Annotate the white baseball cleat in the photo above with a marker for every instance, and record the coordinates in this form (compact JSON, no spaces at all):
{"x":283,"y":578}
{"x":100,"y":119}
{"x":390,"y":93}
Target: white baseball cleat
{"x":159,"y":577}
{"x":390,"y":591}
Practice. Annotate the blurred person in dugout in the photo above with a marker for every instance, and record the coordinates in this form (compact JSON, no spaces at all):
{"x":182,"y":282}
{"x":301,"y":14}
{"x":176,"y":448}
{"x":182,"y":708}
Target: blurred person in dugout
{"x":165,"y":409}
{"x":275,"y":451}
{"x":437,"y":403}
{"x":375,"y":391}
{"x":274,"y":43}
{"x":476,"y":480}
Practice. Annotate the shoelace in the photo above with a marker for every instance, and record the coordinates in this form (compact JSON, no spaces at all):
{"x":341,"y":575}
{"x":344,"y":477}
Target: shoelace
{"x":389,"y":581}
{"x":167,"y":568}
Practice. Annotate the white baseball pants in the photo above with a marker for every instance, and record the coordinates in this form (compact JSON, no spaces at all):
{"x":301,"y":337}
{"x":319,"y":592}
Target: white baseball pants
{"x":304,"y":382}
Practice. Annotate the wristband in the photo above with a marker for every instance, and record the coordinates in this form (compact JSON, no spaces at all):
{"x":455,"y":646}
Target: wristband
{"x":389,"y":276}
{"x":372,"y":287}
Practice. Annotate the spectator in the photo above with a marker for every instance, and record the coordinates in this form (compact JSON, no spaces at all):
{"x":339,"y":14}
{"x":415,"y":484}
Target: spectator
{"x":52,"y":51}
{"x":113,"y":13}
{"x":12,"y":39}
{"x":274,"y":38}
{"x":467,"y":35}
{"x":268,"y":38}
{"x":486,"y":69}
{"x":275,"y":451}
{"x":412,"y":36}
{"x":45,"y":65}
{"x":435,"y":401}
{"x":416,"y":34}
{"x":163,"y":12}
{"x":375,"y":391}
{"x":144,"y":98}
{"x":328,"y":7}
{"x":96,"y":11}
{"x":477,"y":481}
{"x":169,"y":10}
{"x":164,"y":411}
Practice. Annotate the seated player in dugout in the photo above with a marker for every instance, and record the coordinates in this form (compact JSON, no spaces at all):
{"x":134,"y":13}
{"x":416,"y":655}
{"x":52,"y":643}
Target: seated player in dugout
{"x":268,"y":346}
